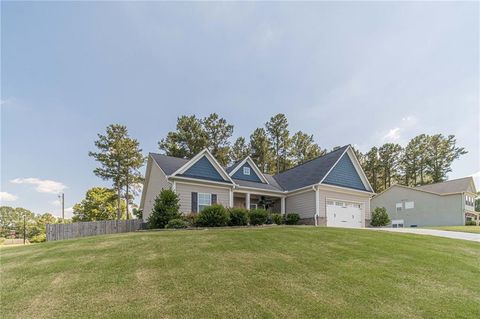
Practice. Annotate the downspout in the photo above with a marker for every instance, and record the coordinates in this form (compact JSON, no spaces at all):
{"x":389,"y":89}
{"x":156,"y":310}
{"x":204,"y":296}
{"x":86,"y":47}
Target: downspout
{"x":317,"y":204}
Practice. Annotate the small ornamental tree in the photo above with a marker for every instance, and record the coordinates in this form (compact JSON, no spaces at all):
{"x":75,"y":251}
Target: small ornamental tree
{"x":165,"y":208}
{"x":380,"y":217}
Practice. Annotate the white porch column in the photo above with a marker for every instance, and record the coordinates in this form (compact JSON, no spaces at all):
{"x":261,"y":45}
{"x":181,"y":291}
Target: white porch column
{"x":174,"y":186}
{"x":231,"y":198}
{"x":247,"y":200}
{"x":317,"y":205}
{"x":282,"y":205}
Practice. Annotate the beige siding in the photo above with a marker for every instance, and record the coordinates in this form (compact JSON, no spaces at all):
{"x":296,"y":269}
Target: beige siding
{"x":156,"y":182}
{"x":302,"y":204}
{"x":362,"y":198}
{"x":429,"y":209}
{"x":185,"y":193}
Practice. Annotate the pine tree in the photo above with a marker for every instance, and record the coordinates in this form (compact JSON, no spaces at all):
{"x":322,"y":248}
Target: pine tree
{"x":303,"y":148}
{"x":277,"y":129}
{"x":261,"y":151}
{"x":239,"y":150}
{"x":218,"y":133}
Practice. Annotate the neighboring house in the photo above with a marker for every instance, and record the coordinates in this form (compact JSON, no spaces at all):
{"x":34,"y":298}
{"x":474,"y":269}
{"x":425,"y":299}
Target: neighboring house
{"x":449,"y":203}
{"x":331,"y":189}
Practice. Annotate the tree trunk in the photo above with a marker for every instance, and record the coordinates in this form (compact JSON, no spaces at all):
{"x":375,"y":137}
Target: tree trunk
{"x":126,"y":198}
{"x":119,"y":204}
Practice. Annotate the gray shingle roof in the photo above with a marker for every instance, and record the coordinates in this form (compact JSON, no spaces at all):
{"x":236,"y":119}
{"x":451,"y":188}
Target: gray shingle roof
{"x":309,"y":173}
{"x":168,"y":164}
{"x":245,"y":183}
{"x":453,"y":186}
{"x":306,"y":174}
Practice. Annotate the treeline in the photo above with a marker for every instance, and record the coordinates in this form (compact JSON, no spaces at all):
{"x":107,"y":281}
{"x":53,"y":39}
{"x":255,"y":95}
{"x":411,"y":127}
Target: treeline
{"x":426,"y":159}
{"x":15,"y":222}
{"x":272,"y":147}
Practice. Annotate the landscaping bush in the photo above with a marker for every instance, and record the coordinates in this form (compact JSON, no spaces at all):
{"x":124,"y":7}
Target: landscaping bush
{"x":238,"y":217}
{"x":292,"y":219}
{"x":190,"y":219}
{"x":470,"y":223}
{"x":258,"y":216}
{"x":164,"y":209}
{"x":278,"y":219}
{"x":176,"y":223}
{"x":40,"y":238}
{"x":380,"y":217}
{"x":213,"y":216}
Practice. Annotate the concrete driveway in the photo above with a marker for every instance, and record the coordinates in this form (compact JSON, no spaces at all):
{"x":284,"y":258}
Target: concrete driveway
{"x":434,"y":232}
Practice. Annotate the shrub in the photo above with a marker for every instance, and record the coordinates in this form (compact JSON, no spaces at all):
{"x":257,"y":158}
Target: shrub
{"x":258,"y":216}
{"x":190,"y":219}
{"x":176,"y":223}
{"x":164,"y":209}
{"x":40,"y":238}
{"x":238,"y":217}
{"x":292,"y":219}
{"x":380,"y":217}
{"x":470,"y":223}
{"x":278,"y":219}
{"x":213,"y":216}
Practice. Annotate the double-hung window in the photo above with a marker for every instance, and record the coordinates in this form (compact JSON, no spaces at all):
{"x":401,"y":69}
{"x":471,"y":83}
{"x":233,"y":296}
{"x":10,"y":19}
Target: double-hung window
{"x":204,"y":200}
{"x":399,"y":207}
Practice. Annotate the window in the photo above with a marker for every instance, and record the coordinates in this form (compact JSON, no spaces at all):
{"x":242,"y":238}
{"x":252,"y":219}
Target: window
{"x":399,"y":207}
{"x":469,"y":201}
{"x":246,"y":171}
{"x":397,"y":223}
{"x":204,"y":200}
{"x":253,"y":206}
{"x":329,"y":202}
{"x":409,"y":205}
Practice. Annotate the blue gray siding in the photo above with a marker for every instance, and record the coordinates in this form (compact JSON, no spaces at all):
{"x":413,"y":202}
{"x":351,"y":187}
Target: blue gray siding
{"x":203,"y":169}
{"x":344,"y":174}
{"x":252,"y":177}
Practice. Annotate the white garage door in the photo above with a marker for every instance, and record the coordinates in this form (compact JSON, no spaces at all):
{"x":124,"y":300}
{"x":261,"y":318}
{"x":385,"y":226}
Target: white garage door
{"x":344,"y":214}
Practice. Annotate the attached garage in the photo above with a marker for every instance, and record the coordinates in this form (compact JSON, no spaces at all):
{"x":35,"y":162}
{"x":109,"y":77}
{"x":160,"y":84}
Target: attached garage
{"x":345,"y":214}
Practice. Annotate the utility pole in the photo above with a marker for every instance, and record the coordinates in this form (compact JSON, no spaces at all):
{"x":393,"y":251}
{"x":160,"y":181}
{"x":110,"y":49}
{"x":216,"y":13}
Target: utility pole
{"x":62,"y":198}
{"x":24,"y":229}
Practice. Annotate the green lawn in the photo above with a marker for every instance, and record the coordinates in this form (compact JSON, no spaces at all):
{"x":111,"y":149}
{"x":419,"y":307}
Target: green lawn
{"x":277,"y":272}
{"x":465,"y":229}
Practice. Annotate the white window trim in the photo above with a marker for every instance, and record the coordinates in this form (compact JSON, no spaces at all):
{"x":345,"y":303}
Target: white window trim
{"x":397,"y":206}
{"x":246,"y":170}
{"x":256,"y":206}
{"x":198,"y":200}
{"x":410,"y":202}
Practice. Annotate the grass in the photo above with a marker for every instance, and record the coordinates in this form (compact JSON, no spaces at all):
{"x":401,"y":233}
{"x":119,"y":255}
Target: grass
{"x":277,"y":272}
{"x":465,"y":229}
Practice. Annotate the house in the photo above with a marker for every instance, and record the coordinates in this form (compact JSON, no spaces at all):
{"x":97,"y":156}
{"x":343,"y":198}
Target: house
{"x":329,"y":190}
{"x":449,"y":203}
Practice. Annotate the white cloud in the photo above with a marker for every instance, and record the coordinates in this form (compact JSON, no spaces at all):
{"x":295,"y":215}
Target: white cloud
{"x":55,"y":202}
{"x":42,"y":185}
{"x":7,"y":197}
{"x":69,"y":210}
{"x":393,"y":134}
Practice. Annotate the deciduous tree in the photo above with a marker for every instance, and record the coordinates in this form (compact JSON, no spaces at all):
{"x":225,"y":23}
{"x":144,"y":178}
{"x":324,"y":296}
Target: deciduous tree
{"x":99,"y":204}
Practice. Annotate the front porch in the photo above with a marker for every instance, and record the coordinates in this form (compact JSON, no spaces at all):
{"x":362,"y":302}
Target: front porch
{"x":272,"y":203}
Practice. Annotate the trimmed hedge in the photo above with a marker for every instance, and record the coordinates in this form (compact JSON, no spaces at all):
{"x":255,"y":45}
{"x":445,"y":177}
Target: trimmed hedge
{"x":258,"y":216}
{"x":292,"y":219}
{"x":213,"y":216}
{"x":470,"y":223}
{"x":176,"y":223}
{"x":278,"y":219}
{"x":238,"y":217}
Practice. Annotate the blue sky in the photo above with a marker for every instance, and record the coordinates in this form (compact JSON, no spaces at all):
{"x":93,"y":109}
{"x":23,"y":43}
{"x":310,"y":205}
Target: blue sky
{"x":359,"y":73}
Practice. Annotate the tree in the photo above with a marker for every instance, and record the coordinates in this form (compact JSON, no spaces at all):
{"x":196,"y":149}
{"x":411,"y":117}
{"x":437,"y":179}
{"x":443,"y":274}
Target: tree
{"x":239,"y":150}
{"x":277,"y":129}
{"x":120,"y":159}
{"x":389,"y":160}
{"x":218,"y":132}
{"x":442,"y":151}
{"x":260,"y":150}
{"x":371,"y":167}
{"x":415,"y":161}
{"x":165,"y":208}
{"x":99,"y":204}
{"x":187,"y":141}
{"x":12,"y":219}
{"x":39,"y":229}
{"x":303,"y":148}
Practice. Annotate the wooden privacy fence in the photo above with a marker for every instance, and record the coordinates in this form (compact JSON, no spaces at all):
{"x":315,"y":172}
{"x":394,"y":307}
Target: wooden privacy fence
{"x":84,"y":229}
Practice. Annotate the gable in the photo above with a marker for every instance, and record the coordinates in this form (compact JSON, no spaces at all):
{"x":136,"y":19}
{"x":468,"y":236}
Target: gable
{"x":253,"y":177}
{"x":344,"y":174}
{"x":203,"y":169}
